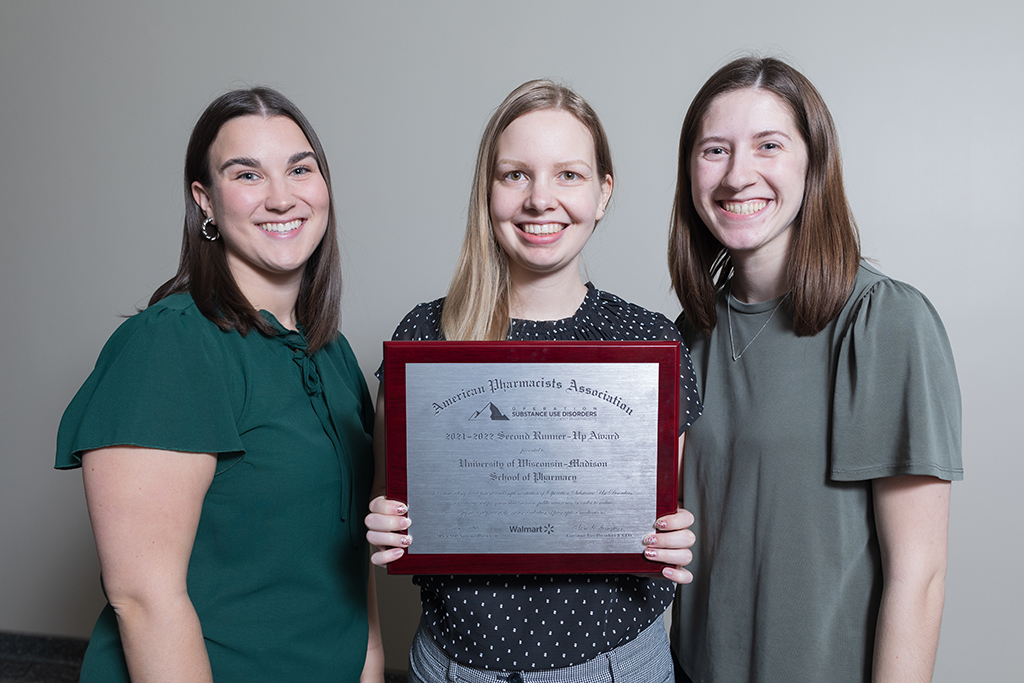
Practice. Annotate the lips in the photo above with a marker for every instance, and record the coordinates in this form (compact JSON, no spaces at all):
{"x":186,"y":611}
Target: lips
{"x":744,"y":208}
{"x":541,"y":228}
{"x":280,"y":228}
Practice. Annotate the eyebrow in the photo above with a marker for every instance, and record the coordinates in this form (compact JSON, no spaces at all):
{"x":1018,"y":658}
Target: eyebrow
{"x":560,"y":164}
{"x":240,"y":161}
{"x":299,"y":156}
{"x":757,"y":136}
{"x":249,"y":161}
{"x":773,"y":133}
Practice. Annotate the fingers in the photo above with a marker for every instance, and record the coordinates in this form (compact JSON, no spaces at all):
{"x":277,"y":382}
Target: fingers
{"x":680,"y":519}
{"x":670,"y":539}
{"x":383,"y":557}
{"x":678,"y":557}
{"x":383,"y":506}
{"x":386,"y":526}
{"x":677,"y":574}
{"x":675,"y":559}
{"x":671,"y":545}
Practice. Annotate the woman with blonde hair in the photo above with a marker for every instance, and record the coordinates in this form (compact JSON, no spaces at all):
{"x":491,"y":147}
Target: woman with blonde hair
{"x":820,"y":472}
{"x":543,"y":180}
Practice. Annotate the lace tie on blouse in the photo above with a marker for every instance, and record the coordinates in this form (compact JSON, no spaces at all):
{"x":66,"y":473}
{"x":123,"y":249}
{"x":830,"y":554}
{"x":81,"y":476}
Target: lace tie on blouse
{"x":310,"y":376}
{"x":314,"y":389}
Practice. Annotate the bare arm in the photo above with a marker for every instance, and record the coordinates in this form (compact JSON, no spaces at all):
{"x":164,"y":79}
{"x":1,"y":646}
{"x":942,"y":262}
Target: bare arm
{"x":387,"y":518}
{"x":373,"y":669}
{"x":672,"y":542}
{"x":144,"y":506}
{"x":912,"y":518}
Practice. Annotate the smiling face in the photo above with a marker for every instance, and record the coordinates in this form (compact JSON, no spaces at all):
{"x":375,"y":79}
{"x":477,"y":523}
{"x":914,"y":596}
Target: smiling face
{"x":268,"y":200}
{"x":546,"y":196}
{"x":748,"y":171}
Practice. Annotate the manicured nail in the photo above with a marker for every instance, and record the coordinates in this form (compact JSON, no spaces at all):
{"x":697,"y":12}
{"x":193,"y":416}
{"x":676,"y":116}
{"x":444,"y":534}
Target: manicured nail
{"x":649,"y":539}
{"x":650,"y":553}
{"x":401,"y":509}
{"x":406,"y":540}
{"x":661,"y":524}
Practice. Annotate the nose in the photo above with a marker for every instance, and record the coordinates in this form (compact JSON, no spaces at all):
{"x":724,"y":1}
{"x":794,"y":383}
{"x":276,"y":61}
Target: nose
{"x":539,"y":196}
{"x":279,"y":197}
{"x":742,"y":172}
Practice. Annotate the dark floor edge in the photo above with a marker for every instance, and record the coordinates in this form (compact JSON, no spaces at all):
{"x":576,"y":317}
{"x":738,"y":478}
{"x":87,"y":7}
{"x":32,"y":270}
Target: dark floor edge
{"x":23,"y":647}
{"x":32,"y":658}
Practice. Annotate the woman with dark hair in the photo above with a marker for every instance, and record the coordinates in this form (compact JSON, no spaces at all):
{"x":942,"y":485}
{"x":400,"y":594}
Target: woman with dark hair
{"x":820,"y":473}
{"x":543,"y":180}
{"x":224,"y":435}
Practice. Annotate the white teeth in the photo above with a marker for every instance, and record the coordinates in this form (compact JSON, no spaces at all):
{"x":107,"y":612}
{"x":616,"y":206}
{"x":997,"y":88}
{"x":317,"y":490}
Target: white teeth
{"x":744,"y":208}
{"x":541,"y":229}
{"x":281,"y":227}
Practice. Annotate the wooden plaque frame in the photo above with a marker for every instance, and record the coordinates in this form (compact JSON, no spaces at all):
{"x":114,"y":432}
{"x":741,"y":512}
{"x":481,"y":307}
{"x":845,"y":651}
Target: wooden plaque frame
{"x":666,"y":354}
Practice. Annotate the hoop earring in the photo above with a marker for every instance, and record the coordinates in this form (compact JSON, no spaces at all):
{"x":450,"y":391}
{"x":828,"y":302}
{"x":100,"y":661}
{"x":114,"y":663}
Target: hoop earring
{"x":216,"y":234}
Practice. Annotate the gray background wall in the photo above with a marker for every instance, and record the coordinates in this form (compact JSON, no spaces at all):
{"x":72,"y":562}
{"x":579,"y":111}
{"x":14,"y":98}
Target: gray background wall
{"x":97,"y":100}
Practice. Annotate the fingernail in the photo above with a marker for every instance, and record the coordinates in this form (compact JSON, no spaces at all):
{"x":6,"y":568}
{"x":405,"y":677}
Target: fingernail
{"x":401,"y":509}
{"x":650,"y":553}
{"x":661,"y":524}
{"x":406,"y":540}
{"x":650,"y":539}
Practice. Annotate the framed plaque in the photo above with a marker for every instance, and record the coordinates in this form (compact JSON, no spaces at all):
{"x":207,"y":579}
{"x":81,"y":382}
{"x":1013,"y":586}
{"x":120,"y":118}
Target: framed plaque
{"x":531,"y":457}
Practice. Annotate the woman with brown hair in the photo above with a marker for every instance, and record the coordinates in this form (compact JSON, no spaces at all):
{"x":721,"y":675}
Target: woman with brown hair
{"x":820,"y":473}
{"x":224,"y":435}
{"x":543,"y":181}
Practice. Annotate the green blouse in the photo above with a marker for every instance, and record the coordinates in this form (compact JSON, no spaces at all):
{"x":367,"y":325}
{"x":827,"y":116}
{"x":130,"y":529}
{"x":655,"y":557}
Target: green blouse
{"x":278,"y":570}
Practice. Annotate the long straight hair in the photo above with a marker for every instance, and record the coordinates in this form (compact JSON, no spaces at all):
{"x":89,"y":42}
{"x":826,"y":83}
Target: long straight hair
{"x":477,"y":304}
{"x":824,"y":254}
{"x":203,"y":269}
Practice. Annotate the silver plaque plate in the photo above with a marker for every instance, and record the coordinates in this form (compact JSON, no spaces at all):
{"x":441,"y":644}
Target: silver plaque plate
{"x":511,"y":458}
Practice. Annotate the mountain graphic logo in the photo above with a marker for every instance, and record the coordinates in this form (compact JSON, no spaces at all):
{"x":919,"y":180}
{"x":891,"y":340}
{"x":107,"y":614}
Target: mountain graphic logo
{"x":489,"y":411}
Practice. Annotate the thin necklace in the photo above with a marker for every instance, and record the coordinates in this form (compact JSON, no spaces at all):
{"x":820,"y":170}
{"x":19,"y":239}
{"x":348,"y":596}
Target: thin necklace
{"x":728,"y":314}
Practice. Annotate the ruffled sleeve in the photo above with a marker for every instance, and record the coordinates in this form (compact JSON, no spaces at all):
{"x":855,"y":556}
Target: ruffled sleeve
{"x":423,"y":323}
{"x":896,"y":408}
{"x":161,"y":382}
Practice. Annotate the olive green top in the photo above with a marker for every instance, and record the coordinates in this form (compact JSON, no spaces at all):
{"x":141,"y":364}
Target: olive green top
{"x":279,"y":566}
{"x":778,"y":470}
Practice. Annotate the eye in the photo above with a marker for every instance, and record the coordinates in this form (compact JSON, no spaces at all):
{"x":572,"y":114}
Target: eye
{"x":771,"y":146}
{"x":570,"y":175}
{"x":713,"y":152}
{"x":302,"y":170}
{"x":247,"y":175}
{"x":514,"y":176}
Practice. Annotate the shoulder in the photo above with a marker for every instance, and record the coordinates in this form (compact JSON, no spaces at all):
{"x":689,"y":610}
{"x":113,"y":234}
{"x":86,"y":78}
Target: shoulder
{"x":878,"y":300}
{"x":171,"y":321}
{"x":164,"y":368}
{"x":896,"y":400}
{"x":631,"y":320}
{"x":421,"y":323}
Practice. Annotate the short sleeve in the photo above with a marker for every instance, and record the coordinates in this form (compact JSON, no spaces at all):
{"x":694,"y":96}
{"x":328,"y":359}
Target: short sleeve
{"x":162,"y":381}
{"x":896,"y":408}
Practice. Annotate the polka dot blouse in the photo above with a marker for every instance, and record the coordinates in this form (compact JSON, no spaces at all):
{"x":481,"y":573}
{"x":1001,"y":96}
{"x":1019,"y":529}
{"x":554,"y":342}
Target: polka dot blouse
{"x":525,"y":622}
